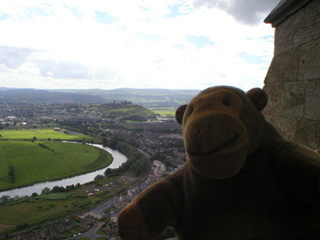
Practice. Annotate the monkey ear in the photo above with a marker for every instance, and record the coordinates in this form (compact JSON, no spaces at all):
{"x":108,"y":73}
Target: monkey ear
{"x":259,"y":98}
{"x":180,"y":112}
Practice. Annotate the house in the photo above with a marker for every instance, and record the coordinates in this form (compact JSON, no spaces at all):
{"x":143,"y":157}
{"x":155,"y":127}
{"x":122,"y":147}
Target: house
{"x":32,"y":235}
{"x":87,"y":222}
{"x":158,"y":168}
{"x":124,"y":198}
{"x":112,"y":228}
{"x":132,"y":193}
{"x":113,"y":217}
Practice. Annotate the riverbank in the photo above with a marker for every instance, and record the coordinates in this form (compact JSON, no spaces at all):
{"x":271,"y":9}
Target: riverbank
{"x":118,"y":160}
{"x":28,"y":212}
{"x":37,"y":212}
{"x":32,"y":162}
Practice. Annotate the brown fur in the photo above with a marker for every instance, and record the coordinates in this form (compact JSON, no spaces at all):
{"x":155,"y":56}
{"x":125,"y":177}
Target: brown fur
{"x":241,"y":181}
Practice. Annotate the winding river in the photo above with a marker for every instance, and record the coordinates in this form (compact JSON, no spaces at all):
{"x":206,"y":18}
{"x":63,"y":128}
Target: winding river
{"x":118,"y":159}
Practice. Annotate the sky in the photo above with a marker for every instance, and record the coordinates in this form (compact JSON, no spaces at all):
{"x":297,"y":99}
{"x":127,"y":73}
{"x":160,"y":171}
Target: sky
{"x":172,"y":44}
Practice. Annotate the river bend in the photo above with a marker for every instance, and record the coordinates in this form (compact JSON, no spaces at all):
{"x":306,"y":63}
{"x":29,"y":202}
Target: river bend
{"x":118,"y":159}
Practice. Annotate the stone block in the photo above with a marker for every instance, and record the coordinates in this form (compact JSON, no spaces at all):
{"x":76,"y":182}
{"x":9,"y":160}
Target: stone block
{"x":286,"y":99}
{"x":293,"y":78}
{"x":284,"y":67}
{"x":286,"y":126}
{"x":308,"y":133}
{"x":284,"y":35}
{"x":309,"y":64}
{"x":307,"y":23}
{"x":312,"y":104}
{"x":313,"y":84}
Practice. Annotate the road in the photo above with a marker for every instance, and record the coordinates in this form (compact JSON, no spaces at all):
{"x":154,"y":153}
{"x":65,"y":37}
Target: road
{"x":91,"y":234}
{"x":101,"y":210}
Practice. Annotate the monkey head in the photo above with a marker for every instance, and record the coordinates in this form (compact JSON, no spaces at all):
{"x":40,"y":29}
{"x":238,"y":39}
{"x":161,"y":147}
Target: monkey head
{"x":221,"y":126}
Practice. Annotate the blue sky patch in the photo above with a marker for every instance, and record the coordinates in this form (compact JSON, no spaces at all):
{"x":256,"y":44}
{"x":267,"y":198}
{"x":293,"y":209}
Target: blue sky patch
{"x":176,"y":11}
{"x":31,"y":13}
{"x":267,"y":37}
{"x":75,"y":11}
{"x":4,"y":16}
{"x":253,"y":59}
{"x":145,"y":9}
{"x":104,"y":17}
{"x":150,"y":37}
{"x":199,"y":41}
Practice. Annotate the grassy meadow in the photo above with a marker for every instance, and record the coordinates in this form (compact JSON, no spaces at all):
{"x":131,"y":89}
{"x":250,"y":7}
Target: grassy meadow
{"x":43,"y":134}
{"x":27,"y":162}
{"x":37,"y":210}
{"x":169,"y":111}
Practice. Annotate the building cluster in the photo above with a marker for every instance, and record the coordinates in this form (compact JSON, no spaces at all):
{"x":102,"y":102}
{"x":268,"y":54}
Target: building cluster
{"x":29,"y":112}
{"x":18,"y":113}
{"x":155,"y":140}
{"x":159,"y":140}
{"x":110,"y":209}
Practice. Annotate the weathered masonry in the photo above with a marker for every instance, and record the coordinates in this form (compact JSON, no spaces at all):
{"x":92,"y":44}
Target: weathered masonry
{"x":293,"y":79}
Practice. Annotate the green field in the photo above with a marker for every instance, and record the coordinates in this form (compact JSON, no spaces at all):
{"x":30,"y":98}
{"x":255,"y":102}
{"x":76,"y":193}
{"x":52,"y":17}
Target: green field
{"x":37,"y":211}
{"x":33,"y":163}
{"x":40,"y":134}
{"x":164,"y":112}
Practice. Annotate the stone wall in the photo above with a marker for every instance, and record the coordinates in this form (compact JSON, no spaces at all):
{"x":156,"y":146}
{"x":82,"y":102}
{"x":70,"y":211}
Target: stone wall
{"x":293,"y":79}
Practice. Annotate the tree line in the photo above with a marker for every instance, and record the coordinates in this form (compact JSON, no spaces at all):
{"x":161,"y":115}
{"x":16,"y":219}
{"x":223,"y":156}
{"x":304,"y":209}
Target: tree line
{"x":45,"y":147}
{"x":136,"y":163}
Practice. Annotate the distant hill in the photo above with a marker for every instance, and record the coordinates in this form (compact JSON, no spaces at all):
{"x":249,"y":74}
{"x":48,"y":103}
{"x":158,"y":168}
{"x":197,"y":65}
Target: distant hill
{"x":44,"y":96}
{"x":151,"y":98}
{"x":155,"y":99}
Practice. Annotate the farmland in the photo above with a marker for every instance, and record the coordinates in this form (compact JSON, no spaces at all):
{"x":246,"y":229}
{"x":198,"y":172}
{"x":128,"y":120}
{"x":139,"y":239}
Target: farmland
{"x":38,"y":209}
{"x":43,"y":134}
{"x":59,"y":212}
{"x":27,"y":162}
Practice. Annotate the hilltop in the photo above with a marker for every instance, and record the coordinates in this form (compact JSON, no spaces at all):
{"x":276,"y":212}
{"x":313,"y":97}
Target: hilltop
{"x":147,"y":97}
{"x":150,"y":98}
{"x":44,"y":96}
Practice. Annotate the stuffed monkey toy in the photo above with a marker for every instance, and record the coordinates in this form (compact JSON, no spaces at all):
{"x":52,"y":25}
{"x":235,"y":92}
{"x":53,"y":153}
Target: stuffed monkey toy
{"x":241,"y":179}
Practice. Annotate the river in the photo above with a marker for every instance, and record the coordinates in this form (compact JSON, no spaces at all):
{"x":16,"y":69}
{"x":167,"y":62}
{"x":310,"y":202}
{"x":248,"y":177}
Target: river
{"x":118,"y":159}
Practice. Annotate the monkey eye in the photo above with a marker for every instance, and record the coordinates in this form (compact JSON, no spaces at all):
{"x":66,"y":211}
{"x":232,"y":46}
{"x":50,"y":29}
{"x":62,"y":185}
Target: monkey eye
{"x":190,"y":110}
{"x":226,"y":102}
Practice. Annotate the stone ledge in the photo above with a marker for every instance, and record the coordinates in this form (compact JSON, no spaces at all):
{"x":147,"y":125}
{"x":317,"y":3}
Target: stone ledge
{"x":283,"y":10}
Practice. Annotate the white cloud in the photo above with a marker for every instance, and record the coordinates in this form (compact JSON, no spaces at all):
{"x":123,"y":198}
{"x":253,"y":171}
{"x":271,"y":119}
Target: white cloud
{"x":247,"y":11}
{"x":57,"y":44}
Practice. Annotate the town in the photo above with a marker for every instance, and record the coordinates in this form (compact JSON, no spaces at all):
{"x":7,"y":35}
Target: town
{"x":156,"y":138}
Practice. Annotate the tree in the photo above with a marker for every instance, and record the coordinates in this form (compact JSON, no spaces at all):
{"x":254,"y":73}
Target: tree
{"x":34,"y":194}
{"x":46,"y":190}
{"x":70,"y":187}
{"x":11,"y":174}
{"x":4,"y":199}
{"x":114,"y":143}
{"x":57,"y":189}
{"x":104,"y":141}
{"x":98,"y":177}
{"x":107,"y":171}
